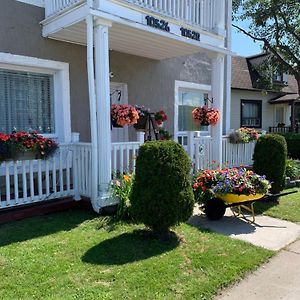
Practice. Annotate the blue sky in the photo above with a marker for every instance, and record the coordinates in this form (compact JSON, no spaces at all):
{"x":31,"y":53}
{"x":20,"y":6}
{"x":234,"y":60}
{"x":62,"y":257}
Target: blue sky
{"x":241,"y":44}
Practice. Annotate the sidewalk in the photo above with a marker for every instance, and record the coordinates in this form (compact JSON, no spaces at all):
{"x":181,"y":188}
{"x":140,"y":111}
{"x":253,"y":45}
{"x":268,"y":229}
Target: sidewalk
{"x":278,"y":279}
{"x":267,"y":232}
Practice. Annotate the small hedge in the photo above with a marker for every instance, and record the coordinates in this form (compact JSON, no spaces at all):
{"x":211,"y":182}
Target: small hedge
{"x":293,"y":144}
{"x":162,"y":194}
{"x":269,"y":158}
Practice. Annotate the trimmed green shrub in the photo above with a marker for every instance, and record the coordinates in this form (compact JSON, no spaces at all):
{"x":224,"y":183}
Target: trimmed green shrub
{"x":293,"y":144}
{"x":162,"y":194}
{"x":269,"y":158}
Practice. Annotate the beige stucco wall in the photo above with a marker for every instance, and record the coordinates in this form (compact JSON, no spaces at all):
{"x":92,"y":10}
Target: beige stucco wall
{"x":150,"y":82}
{"x":268,"y":110}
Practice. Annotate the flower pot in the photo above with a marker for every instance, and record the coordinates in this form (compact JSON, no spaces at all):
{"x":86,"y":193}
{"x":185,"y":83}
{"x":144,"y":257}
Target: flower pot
{"x":160,"y":124}
{"x":141,"y":123}
{"x":204,"y":124}
{"x":30,"y":155}
{"x":115,"y":124}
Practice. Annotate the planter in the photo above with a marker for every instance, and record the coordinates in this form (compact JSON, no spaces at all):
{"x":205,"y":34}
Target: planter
{"x":115,"y":124}
{"x":26,"y":156}
{"x":204,"y":124}
{"x":234,"y":198}
{"x":141,"y":123}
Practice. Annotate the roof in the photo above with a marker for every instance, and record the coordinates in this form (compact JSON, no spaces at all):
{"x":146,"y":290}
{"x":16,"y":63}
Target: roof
{"x":284,"y":99}
{"x":244,"y":76}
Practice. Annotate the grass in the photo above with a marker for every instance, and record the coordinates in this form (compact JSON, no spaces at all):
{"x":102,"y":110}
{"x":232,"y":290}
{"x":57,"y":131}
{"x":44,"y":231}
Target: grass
{"x":77,"y":255}
{"x":288,"y":207}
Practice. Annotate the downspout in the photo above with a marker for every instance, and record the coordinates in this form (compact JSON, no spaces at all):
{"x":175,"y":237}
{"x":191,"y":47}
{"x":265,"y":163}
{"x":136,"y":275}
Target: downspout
{"x":93,"y":109}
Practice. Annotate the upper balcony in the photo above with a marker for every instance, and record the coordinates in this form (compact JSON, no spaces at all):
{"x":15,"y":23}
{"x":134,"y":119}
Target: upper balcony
{"x":156,"y":29}
{"x":205,"y":14}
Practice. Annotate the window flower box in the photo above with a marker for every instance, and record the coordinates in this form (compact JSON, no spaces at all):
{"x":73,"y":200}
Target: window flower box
{"x":25,"y":146}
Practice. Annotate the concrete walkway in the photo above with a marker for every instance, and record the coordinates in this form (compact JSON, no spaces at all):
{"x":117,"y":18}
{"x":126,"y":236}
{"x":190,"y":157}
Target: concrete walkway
{"x":278,"y":279}
{"x":267,"y":232}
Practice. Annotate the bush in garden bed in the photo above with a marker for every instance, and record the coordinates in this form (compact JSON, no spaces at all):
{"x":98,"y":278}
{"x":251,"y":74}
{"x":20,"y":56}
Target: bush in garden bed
{"x":293,"y":144}
{"x":269,"y":158}
{"x":162,"y":194}
{"x":292,"y":169}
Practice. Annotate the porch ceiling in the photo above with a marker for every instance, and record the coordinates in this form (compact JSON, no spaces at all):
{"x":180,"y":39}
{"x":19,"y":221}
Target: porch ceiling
{"x":131,"y":40}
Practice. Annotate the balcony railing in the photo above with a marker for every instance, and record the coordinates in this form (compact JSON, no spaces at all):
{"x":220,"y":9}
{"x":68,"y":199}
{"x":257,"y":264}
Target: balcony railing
{"x":206,"y":14}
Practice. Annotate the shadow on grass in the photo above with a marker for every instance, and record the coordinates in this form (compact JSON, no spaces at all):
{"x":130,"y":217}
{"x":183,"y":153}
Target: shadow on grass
{"x":130,"y":247}
{"x":261,"y":206}
{"x":27,"y":229}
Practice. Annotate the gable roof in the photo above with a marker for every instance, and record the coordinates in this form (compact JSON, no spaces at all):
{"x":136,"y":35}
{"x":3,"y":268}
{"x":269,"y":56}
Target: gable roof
{"x":243,"y":76}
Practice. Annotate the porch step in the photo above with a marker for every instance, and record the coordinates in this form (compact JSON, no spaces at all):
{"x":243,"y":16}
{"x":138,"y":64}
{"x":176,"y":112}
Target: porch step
{"x":41,"y":208}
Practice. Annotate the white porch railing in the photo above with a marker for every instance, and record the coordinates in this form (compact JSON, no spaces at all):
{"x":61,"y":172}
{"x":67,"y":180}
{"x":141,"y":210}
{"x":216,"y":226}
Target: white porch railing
{"x":68,"y":172}
{"x":233,"y":155}
{"x":30,"y":181}
{"x":207,"y":14}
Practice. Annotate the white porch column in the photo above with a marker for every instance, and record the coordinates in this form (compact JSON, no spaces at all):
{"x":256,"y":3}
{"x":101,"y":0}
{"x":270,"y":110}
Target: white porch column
{"x":103,"y":107}
{"x":218,"y":96}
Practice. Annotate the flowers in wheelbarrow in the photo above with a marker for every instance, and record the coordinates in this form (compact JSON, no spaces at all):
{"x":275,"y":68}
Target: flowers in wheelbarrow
{"x":239,"y":181}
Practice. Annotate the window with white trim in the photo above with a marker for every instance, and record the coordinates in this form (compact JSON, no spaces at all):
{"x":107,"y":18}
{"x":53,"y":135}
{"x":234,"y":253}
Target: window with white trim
{"x":26,"y":102}
{"x":35,"y":94}
{"x":188,"y":100}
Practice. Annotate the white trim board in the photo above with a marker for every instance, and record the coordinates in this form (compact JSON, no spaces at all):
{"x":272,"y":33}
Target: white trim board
{"x":39,"y":3}
{"x":60,"y":71}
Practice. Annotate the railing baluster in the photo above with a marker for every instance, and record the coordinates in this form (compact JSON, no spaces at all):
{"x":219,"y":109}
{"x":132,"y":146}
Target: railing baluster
{"x":7,"y":183}
{"x":24,"y":181}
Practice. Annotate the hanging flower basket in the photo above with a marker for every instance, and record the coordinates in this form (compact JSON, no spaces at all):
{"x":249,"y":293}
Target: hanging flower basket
{"x":25,"y":146}
{"x":115,"y":124}
{"x":141,"y":123}
{"x":205,"y":116}
{"x":123,"y":114}
{"x":160,"y":117}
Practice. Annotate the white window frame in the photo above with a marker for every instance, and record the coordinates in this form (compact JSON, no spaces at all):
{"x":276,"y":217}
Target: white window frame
{"x":61,"y":81}
{"x":192,"y":86}
{"x":39,"y":3}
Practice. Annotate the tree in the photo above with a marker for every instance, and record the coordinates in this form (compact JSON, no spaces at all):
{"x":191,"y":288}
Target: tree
{"x":276,"y":23}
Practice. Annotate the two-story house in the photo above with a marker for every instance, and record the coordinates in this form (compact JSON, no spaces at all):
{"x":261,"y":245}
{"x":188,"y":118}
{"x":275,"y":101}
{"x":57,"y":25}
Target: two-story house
{"x":63,"y":62}
{"x":253,"y":106}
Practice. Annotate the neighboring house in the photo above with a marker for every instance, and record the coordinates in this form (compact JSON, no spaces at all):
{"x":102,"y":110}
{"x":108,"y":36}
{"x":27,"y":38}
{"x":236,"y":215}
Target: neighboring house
{"x":63,"y":62}
{"x":254,"y":107}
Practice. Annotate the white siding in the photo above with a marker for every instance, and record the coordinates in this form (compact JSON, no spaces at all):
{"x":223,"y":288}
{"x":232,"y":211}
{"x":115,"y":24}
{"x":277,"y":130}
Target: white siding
{"x":268,"y":110}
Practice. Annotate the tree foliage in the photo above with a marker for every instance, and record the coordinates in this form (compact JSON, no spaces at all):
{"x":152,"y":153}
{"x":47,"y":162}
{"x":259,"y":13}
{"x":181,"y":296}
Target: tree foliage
{"x":276,"y":23}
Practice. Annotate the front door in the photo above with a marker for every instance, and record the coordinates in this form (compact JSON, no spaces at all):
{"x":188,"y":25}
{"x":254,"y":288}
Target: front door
{"x":119,"y":95}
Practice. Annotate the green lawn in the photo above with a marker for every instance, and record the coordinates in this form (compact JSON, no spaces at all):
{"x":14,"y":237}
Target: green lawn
{"x":78,"y":255}
{"x":288,"y":207}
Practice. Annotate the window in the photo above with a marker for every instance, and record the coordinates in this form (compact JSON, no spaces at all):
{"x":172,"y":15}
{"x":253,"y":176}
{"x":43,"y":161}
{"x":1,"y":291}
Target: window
{"x":279,"y":115}
{"x":35,"y":94}
{"x":26,"y":102}
{"x":188,"y":100}
{"x":251,"y":113}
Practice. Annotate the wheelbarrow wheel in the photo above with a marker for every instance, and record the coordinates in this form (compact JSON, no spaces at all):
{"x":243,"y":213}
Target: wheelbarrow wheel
{"x":215,"y":209}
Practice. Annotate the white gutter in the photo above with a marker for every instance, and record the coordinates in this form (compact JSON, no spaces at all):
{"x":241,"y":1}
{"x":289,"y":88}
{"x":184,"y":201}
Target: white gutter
{"x":93,"y":110}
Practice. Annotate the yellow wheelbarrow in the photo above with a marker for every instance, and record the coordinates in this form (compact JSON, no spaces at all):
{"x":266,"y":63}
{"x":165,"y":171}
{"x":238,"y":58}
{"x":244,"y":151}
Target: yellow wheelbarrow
{"x":215,"y":208}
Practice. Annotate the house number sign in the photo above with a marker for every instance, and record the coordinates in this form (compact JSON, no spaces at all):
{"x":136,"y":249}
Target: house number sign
{"x":164,"y":25}
{"x":157,"y":23}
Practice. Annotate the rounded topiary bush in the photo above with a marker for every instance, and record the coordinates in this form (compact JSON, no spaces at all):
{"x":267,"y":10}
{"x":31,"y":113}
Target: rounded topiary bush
{"x":162,"y":194}
{"x":270,"y":155}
